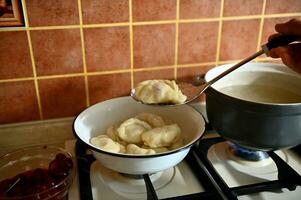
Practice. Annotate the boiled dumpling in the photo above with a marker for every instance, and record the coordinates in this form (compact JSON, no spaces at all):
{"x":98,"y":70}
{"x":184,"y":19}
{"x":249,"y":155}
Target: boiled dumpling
{"x":159,"y":91}
{"x":152,"y":119}
{"x":179,"y":143}
{"x":162,"y":136}
{"x":107,"y":144}
{"x":130,"y":130}
{"x":157,"y":150}
{"x":134,"y":149}
{"x":112,"y":132}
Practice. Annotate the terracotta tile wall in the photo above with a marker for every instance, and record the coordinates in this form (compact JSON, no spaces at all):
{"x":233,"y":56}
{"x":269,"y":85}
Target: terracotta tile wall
{"x":74,"y":53}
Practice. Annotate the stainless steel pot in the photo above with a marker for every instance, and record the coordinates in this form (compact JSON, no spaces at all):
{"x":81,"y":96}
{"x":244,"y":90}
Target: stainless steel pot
{"x":252,"y":124}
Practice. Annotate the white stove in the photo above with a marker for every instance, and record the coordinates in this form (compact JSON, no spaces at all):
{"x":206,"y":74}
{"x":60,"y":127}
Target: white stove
{"x":212,"y":173}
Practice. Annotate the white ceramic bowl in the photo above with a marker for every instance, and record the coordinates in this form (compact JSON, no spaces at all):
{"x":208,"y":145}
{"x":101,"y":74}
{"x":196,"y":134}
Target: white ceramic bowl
{"x":97,"y":118}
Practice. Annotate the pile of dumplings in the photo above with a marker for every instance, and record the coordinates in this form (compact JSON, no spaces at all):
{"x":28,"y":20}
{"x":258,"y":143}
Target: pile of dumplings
{"x":145,"y":133}
{"x":159,"y":91}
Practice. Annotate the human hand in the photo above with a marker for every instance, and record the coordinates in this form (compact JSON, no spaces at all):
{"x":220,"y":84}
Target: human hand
{"x":290,"y":54}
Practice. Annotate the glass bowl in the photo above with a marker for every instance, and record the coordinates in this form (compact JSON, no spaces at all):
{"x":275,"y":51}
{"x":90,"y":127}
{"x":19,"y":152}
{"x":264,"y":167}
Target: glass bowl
{"x":38,"y":172}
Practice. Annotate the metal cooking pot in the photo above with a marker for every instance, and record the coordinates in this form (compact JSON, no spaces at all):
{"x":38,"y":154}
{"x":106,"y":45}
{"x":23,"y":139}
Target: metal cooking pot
{"x":250,"y":123}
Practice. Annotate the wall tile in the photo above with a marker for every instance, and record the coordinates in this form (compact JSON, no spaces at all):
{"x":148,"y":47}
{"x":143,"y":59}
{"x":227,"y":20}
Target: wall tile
{"x":105,"y":11}
{"x":192,"y":9}
{"x":154,"y":45}
{"x":57,"y":51}
{"x":269,"y":27}
{"x":62,"y":97}
{"x":18,"y":102}
{"x":187,"y":74}
{"x":283,"y":6}
{"x":103,"y":87}
{"x":242,"y":7}
{"x":197,"y":42}
{"x":145,"y":10}
{"x":51,"y":13}
{"x":107,"y":48}
{"x":14,"y":45}
{"x":239,"y":39}
{"x":154,"y":74}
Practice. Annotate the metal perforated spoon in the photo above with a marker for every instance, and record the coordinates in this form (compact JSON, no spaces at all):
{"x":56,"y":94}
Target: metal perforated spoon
{"x":200,"y":87}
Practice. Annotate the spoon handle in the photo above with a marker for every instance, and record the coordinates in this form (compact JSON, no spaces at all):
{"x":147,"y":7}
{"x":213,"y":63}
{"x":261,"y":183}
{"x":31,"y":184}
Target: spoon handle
{"x":209,"y":83}
{"x":279,"y":40}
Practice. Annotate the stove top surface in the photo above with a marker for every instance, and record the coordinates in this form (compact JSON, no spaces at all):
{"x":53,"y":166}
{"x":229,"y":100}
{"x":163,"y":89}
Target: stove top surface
{"x":209,"y":171}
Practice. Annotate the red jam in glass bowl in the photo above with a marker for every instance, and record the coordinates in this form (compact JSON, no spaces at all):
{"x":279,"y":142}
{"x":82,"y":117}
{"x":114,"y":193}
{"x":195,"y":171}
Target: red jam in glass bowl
{"x":36,"y":173}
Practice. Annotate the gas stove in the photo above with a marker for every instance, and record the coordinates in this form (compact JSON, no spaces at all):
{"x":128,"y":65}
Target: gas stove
{"x":211,"y":170}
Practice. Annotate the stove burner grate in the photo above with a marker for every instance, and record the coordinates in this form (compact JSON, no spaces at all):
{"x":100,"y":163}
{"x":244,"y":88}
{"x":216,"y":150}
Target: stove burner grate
{"x":287,"y":176}
{"x":215,"y":187}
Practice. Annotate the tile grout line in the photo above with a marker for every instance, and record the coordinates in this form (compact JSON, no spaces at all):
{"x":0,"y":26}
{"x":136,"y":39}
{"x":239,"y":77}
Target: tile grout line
{"x":123,"y":71}
{"x":83,"y":53}
{"x":153,"y":22}
{"x":17,"y":79}
{"x":177,"y":39}
{"x":103,"y":25}
{"x":261,"y":27}
{"x":220,"y":25}
{"x":131,"y":43}
{"x":106,"y":72}
{"x":282,"y":15}
{"x":33,"y":64}
{"x":227,"y":61}
{"x":196,"y":64}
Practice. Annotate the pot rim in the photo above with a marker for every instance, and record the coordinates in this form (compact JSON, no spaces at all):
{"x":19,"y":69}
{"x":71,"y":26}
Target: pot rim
{"x":249,"y":101}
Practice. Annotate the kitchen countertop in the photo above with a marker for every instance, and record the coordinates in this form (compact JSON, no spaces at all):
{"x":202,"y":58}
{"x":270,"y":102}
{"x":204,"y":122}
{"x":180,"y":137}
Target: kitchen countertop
{"x":43,"y":132}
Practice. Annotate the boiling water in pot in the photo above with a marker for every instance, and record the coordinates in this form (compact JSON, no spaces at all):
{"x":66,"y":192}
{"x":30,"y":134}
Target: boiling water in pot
{"x":262,"y":93}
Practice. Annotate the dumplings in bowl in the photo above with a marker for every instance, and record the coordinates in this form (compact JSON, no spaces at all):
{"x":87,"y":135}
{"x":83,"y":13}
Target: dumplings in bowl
{"x":105,"y":118}
{"x":145,"y":133}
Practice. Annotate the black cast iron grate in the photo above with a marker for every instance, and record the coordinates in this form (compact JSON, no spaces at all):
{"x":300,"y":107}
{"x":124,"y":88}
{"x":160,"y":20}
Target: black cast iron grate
{"x":214,"y":185}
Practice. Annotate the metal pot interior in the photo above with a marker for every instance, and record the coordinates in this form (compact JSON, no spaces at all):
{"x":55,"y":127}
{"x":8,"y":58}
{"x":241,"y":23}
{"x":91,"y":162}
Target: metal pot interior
{"x":263,"y":83}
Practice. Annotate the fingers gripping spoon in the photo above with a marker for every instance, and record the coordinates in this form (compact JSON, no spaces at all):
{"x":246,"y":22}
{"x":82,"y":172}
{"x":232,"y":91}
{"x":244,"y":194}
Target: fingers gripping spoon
{"x":275,"y":42}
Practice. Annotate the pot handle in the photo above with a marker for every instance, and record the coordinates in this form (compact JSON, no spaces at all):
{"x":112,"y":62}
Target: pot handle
{"x":151,"y":193}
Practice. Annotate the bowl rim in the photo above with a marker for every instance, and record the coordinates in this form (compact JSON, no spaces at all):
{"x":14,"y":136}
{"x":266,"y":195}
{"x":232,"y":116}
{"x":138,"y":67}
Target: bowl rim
{"x":136,"y":156}
{"x":70,"y":176}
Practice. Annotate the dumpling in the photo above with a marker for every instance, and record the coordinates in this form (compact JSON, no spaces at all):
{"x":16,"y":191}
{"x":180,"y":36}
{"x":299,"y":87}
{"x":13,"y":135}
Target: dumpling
{"x":162,"y":136}
{"x":107,"y":144}
{"x":157,"y":150}
{"x":134,"y":149}
{"x":178,"y":143}
{"x":112,"y":132}
{"x":130,"y":130}
{"x":152,"y":119}
{"x":159,"y":91}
